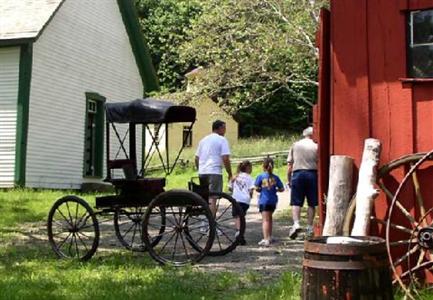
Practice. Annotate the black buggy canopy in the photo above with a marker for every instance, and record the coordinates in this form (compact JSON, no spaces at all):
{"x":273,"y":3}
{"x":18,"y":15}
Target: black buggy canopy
{"x":148,"y":111}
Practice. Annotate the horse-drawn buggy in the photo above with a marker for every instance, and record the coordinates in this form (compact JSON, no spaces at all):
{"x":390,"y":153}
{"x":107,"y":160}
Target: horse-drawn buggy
{"x":177,"y":226}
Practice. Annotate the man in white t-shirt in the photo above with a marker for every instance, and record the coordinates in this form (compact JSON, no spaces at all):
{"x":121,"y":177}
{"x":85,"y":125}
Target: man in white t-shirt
{"x":213,"y":152}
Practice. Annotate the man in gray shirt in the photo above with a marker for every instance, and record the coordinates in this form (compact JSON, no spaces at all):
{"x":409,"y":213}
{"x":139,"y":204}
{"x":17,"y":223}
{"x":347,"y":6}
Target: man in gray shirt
{"x":302,"y":179}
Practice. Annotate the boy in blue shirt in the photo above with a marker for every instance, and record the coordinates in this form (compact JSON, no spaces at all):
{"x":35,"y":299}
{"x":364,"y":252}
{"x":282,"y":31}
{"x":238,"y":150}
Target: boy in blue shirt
{"x":268,"y":184}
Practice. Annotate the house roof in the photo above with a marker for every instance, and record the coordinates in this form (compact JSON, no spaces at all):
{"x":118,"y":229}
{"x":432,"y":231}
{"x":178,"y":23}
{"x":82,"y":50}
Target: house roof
{"x":25,"y":19}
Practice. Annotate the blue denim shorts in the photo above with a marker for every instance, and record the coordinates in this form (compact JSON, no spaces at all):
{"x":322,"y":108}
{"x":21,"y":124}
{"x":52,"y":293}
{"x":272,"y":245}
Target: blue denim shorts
{"x":304,"y":185}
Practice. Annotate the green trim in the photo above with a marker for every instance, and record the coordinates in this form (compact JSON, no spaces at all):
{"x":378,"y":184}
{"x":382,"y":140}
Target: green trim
{"x":25,"y":75}
{"x":99,"y":134}
{"x":15,"y":42}
{"x":141,"y":52}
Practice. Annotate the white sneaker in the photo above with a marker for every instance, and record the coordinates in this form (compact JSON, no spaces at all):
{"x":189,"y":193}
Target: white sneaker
{"x":264,"y":243}
{"x":294,"y":230}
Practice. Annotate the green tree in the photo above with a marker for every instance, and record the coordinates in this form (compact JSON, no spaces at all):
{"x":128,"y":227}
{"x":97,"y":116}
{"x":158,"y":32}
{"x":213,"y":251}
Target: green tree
{"x":259,"y":56}
{"x":255,"y":51}
{"x":164,"y":23}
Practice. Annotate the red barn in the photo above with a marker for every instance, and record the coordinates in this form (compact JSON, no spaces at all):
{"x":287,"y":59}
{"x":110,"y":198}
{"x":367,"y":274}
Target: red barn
{"x":376,"y":80}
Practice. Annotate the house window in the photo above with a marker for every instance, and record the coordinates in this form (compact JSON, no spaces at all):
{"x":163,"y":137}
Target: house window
{"x":420,"y":50}
{"x":187,"y":136}
{"x":94,"y":135}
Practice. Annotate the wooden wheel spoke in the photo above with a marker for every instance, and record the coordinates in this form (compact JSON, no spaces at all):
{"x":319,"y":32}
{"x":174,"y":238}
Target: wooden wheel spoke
{"x":82,"y":242}
{"x":392,"y":225}
{"x":418,"y":195}
{"x":134,"y":232}
{"x":64,"y":217}
{"x":166,"y":242}
{"x":399,"y":205}
{"x":69,"y":212}
{"x":223,"y":213}
{"x":421,"y":257}
{"x":223,"y":233}
{"x":184,"y":246}
{"x":424,"y":265}
{"x":177,"y":221}
{"x":175,"y":246}
{"x":64,"y":241}
{"x":406,"y":256}
{"x":76,"y":214}
{"x":406,"y":213}
{"x":403,"y":242}
{"x":218,"y":240}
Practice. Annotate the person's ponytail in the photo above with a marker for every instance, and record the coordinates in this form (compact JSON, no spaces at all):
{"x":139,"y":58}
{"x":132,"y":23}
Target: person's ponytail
{"x":268,"y":165}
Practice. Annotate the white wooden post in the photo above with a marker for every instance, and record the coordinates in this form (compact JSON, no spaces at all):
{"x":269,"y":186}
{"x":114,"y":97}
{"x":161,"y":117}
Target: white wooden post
{"x":366,"y":191}
{"x":339,"y":194}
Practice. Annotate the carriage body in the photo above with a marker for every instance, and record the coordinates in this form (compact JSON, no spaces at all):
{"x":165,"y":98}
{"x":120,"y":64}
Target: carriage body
{"x":176,"y":227}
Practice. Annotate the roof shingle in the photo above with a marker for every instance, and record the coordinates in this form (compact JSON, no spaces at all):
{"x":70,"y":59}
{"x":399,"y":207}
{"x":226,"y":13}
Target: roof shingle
{"x":20,"y":19}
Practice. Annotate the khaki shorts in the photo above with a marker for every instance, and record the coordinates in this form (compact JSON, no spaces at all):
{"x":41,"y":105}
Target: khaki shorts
{"x":215,"y":182}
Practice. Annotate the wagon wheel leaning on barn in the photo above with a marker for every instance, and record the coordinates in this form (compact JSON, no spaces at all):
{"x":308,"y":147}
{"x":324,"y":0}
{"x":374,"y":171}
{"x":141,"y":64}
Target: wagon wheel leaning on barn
{"x":408,"y":221}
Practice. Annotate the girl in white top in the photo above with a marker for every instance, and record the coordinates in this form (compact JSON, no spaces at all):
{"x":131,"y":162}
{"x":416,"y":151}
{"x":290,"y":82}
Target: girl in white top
{"x":242,"y":186}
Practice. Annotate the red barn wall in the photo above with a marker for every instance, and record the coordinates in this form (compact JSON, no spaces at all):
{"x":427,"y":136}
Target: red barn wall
{"x":369,"y":96}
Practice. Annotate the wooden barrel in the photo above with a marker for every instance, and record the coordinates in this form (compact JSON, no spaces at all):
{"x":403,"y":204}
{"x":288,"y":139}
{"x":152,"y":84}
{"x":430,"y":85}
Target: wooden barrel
{"x":355,"y":269}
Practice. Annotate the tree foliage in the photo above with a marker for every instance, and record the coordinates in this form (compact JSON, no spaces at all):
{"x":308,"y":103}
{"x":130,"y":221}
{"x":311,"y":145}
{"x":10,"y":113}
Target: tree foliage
{"x":253,"y":49}
{"x":164,"y":23}
{"x":259,"y":56}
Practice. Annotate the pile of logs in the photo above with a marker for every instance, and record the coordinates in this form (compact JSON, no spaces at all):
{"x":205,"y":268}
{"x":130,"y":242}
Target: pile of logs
{"x":340,"y":191}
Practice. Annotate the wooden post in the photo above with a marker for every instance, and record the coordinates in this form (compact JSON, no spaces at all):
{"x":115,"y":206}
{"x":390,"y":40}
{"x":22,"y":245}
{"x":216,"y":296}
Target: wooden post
{"x":366,"y":191}
{"x":339,"y":194}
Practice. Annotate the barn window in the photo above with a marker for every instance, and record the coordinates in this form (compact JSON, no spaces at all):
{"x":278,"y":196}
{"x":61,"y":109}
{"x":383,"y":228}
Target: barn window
{"x":187,"y":136}
{"x":94,"y":135}
{"x":420,"y":60}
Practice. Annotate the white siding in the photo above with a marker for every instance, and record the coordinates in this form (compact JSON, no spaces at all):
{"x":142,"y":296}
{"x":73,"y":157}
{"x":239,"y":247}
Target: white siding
{"x":85,"y":48}
{"x":9,"y":72}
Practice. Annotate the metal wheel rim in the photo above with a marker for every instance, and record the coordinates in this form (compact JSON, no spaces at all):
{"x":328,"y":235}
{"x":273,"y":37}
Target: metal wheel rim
{"x":74,"y":227}
{"x":388,"y":223}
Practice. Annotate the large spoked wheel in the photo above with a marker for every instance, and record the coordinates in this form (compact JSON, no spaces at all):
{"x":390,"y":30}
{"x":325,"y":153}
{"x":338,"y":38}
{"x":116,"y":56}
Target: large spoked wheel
{"x":73,"y":230}
{"x":409,"y":227}
{"x":228,"y":217}
{"x":128,"y":227}
{"x":385,"y":180}
{"x":188,"y":221}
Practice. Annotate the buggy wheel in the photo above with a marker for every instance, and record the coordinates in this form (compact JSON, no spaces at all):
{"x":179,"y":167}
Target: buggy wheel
{"x":226,"y":239}
{"x":185,"y":214}
{"x":128,"y":226}
{"x":73,"y":230}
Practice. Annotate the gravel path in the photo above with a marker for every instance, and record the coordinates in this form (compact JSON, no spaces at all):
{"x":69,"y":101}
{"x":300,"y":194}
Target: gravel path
{"x":285,"y":254}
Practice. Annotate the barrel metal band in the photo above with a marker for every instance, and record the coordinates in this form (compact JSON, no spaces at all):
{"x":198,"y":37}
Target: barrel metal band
{"x":343,"y":265}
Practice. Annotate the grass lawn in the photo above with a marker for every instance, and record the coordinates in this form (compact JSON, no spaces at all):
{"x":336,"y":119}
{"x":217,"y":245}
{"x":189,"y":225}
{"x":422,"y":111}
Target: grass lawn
{"x":30,"y":270}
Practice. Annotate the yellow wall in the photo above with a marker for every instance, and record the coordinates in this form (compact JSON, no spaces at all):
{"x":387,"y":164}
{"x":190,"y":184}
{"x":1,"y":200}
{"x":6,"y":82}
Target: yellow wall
{"x":207,"y":112}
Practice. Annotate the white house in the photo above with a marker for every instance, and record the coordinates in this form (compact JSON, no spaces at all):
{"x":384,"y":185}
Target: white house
{"x":59,"y":61}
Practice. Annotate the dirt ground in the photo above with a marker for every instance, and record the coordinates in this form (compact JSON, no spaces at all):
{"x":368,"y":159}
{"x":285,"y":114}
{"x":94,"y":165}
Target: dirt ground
{"x":283,"y":255}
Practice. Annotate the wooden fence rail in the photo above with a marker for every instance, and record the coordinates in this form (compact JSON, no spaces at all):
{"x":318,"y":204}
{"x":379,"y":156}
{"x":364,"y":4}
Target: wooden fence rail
{"x":254,"y":159}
